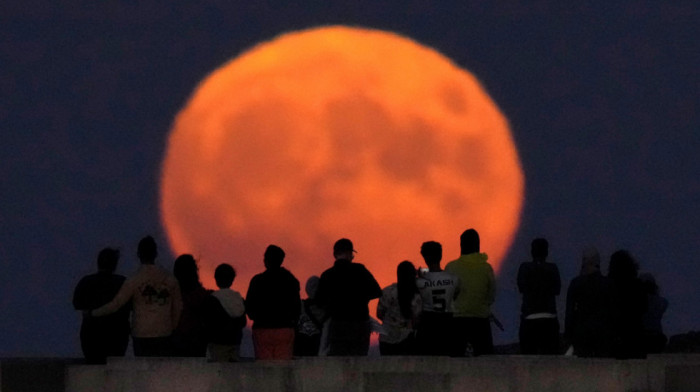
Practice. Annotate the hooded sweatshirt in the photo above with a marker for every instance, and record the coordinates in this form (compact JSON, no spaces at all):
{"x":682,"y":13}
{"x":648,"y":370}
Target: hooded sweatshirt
{"x":477,"y":285}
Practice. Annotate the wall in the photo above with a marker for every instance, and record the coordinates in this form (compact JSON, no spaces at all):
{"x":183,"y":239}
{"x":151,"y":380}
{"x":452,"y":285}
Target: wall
{"x":677,"y":373}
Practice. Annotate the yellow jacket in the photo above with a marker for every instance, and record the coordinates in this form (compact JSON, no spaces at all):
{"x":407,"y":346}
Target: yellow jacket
{"x":477,"y":285}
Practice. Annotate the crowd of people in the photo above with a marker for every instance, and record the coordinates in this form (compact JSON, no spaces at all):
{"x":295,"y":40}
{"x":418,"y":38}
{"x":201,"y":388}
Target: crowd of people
{"x":428,"y":311}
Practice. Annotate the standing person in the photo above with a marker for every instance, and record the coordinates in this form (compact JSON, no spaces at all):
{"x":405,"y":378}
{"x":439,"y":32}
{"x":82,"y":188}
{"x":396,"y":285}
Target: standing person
{"x":539,"y":283}
{"x":588,"y":309}
{"x":156,"y":304}
{"x":273,"y":303}
{"x":477,"y":292}
{"x":106,"y":336}
{"x":629,"y":305}
{"x":438,"y":290}
{"x":307,"y":339}
{"x":654,"y":338}
{"x":399,"y":308}
{"x":224,"y":317}
{"x":344,"y":292}
{"x":188,"y":337}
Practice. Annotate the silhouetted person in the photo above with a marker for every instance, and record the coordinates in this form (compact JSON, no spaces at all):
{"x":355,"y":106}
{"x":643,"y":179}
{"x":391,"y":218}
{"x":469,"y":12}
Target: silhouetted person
{"x":156,"y":304}
{"x":308,"y":333}
{"x":477,"y":291}
{"x":399,"y":308}
{"x":188,"y":338}
{"x":654,"y":338}
{"x":629,"y":306}
{"x":106,"y":336}
{"x":539,"y":283}
{"x":224,"y":317}
{"x":273,"y":303}
{"x":589,"y":309}
{"x":344,"y":293}
{"x":438,"y":289}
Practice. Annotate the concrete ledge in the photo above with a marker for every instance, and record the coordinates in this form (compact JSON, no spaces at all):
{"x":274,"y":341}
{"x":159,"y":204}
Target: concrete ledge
{"x":667,"y":372}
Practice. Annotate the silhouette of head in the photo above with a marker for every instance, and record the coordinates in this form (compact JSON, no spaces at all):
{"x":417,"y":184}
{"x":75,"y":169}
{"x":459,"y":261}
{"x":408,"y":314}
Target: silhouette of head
{"x":469,"y":242}
{"x":431,"y":252}
{"x":147,"y":250}
{"x":107,"y":260}
{"x":343,"y":249}
{"x":539,"y":249}
{"x":274,"y":256}
{"x":224,"y":275}
{"x":186,"y":272}
{"x":623,"y":267}
{"x":312,"y":286}
{"x":590,"y":261}
{"x":405,"y":271}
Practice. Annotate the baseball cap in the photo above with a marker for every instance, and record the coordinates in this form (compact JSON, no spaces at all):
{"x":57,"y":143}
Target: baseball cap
{"x":343,"y":245}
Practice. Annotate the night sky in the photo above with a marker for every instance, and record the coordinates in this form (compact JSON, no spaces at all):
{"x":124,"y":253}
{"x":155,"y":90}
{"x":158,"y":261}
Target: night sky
{"x":603,"y":102}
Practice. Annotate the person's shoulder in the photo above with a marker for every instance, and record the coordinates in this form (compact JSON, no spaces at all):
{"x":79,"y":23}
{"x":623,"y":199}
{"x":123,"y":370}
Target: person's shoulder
{"x":87,"y":279}
{"x":358,"y":267}
{"x":444,"y":275}
{"x":390,"y":291}
{"x":293,"y":281}
{"x":288,"y":274}
{"x":452,"y":264}
{"x":551,"y":265}
{"x":257,"y":278}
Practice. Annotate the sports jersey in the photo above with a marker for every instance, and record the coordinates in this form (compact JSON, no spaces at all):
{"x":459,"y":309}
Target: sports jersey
{"x":438,"y":290}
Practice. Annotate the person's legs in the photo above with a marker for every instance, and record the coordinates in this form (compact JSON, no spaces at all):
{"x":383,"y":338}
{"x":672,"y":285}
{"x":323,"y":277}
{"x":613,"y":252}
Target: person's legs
{"x":460,"y":336}
{"x":223,"y":352}
{"x":282,"y":343}
{"x":261,"y":344}
{"x":273,"y":343}
{"x":550,"y":338}
{"x":434,"y":336}
{"x":348,"y":337}
{"x":386,"y":349}
{"x":527,"y":334}
{"x":152,"y":347}
{"x":480,"y":335}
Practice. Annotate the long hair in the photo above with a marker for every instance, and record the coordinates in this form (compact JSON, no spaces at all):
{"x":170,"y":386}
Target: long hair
{"x":406,"y":285}
{"x":186,"y":272}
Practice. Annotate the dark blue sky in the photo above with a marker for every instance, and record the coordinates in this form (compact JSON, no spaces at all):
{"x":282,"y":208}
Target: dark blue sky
{"x":603,"y":101}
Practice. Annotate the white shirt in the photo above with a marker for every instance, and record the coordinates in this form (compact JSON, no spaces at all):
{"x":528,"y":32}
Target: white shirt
{"x":438,"y":290}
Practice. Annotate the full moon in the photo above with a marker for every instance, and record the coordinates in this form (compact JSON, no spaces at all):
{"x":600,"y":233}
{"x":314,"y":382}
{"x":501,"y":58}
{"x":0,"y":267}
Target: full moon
{"x":338,"y":132}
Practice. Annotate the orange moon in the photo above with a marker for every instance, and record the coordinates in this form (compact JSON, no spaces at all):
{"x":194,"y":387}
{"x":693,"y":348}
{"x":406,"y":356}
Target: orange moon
{"x":338,"y":132}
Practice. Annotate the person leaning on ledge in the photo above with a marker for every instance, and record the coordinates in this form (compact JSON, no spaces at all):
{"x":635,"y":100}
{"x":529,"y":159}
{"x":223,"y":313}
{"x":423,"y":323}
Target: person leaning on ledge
{"x":156,"y":304}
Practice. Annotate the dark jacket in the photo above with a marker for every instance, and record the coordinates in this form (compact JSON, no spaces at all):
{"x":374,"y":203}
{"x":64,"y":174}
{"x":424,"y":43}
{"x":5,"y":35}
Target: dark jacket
{"x":220,"y":327}
{"x":539,"y":282}
{"x":273,"y":299}
{"x":345,"y":290}
{"x":588,"y":323}
{"x":102,"y":336}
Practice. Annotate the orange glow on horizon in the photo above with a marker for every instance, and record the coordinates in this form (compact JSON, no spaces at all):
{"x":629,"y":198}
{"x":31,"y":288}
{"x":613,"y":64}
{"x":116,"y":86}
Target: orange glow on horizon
{"x":338,"y":132}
